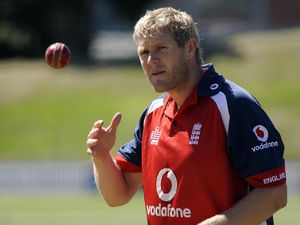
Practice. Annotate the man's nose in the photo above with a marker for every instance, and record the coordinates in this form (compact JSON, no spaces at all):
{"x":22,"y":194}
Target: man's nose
{"x":153,"y":58}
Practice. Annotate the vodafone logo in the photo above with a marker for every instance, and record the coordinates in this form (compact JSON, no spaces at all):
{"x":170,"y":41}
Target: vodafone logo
{"x":261,"y":133}
{"x":164,"y":176}
{"x":171,"y":176}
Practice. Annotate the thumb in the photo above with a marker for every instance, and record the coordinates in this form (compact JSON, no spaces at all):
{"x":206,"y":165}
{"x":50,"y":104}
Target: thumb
{"x":115,"y":122}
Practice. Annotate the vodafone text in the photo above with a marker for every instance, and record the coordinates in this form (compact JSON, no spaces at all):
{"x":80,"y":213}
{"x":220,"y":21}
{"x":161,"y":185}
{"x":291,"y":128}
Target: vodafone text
{"x":168,"y":211}
{"x":265,"y":145}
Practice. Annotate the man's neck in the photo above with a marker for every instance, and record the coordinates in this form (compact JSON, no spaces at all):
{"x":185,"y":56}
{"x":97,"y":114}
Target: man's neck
{"x":180,"y":95}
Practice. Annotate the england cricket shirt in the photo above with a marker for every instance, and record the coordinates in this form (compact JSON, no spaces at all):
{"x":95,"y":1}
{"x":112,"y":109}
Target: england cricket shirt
{"x":200,"y":160}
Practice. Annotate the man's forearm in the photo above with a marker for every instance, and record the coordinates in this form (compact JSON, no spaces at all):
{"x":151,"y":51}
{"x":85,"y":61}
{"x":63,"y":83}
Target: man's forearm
{"x":110,"y":181}
{"x":253,"y":209}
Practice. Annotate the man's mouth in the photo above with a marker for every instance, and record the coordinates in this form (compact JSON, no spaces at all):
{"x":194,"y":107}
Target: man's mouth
{"x":157,"y":73}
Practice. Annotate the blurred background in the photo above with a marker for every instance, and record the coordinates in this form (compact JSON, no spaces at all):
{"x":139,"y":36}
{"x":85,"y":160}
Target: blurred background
{"x":45,"y":114}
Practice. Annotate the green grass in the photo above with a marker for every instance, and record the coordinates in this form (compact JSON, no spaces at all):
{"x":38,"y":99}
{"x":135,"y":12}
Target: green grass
{"x":47,"y":113}
{"x":290,"y":214}
{"x":68,"y":210}
{"x":51,"y":114}
{"x":91,"y":210}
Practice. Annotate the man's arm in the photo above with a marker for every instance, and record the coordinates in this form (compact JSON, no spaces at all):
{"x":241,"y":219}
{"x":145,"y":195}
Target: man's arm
{"x":116,"y":187}
{"x":253,"y":209}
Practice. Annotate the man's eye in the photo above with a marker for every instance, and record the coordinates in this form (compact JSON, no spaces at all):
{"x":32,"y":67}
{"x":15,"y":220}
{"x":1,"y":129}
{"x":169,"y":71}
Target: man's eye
{"x":144,"y":52}
{"x":162,"y":48}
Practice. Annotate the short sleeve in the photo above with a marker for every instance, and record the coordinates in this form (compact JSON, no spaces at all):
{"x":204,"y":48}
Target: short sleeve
{"x":128,"y":156}
{"x":255,"y":146}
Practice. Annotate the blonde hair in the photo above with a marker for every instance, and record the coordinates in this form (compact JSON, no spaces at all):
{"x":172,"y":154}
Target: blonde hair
{"x":168,"y":20}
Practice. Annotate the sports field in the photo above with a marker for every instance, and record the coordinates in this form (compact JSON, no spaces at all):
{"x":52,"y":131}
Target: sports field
{"x":47,"y":113}
{"x":91,"y":210}
{"x":68,"y":210}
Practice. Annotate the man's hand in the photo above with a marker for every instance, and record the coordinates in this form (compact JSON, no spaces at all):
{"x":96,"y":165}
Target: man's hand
{"x":215,"y":220}
{"x":101,"y":140}
{"x":256,"y":207}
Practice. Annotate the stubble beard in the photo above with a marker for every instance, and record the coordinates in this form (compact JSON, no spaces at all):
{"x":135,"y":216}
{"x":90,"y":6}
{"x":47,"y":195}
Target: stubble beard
{"x":177,"y":77}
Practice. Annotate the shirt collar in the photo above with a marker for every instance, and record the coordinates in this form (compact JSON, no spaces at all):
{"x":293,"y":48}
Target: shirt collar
{"x":211,"y":82}
{"x":170,"y":105}
{"x":209,"y":85}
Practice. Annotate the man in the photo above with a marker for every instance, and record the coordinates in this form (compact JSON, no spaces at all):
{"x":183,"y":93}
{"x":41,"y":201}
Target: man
{"x":205,"y":152}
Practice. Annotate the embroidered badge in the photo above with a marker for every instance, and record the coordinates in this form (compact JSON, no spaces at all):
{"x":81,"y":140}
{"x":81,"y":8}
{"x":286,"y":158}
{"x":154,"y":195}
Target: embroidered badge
{"x":155,"y":135}
{"x":194,"y":139}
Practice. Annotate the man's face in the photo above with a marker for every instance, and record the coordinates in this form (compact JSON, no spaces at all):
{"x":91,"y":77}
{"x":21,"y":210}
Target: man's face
{"x":163,"y":62}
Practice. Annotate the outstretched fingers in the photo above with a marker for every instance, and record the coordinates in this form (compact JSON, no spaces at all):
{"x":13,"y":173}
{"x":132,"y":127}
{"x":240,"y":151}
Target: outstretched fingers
{"x":100,"y":140}
{"x":95,"y":130}
{"x":115,"y":122}
{"x":98,"y":124}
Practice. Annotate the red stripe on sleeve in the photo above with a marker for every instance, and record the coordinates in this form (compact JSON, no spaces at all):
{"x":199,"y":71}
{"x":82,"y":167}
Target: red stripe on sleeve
{"x":126,"y":166}
{"x":270,"y":178}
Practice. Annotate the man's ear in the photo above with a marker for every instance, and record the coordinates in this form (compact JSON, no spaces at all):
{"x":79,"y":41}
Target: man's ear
{"x":191,"y":47}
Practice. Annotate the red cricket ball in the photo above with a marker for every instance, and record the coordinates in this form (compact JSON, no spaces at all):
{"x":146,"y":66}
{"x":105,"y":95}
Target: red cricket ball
{"x":58,"y":55}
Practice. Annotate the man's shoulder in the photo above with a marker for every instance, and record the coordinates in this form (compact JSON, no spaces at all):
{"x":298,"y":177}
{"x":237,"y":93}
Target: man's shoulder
{"x":237,"y":95}
{"x":156,"y":103}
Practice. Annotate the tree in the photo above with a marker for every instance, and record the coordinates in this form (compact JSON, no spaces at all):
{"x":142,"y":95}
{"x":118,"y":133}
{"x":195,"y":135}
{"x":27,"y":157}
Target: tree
{"x":27,"y":27}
